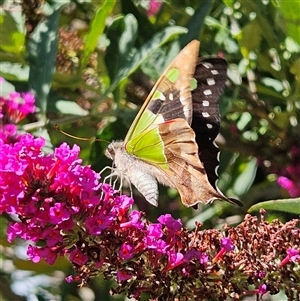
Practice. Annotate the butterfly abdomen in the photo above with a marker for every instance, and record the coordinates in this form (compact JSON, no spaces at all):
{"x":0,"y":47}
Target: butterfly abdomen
{"x":135,"y":171}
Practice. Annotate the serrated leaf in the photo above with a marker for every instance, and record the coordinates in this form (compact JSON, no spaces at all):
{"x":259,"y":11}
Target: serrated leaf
{"x":284,"y":205}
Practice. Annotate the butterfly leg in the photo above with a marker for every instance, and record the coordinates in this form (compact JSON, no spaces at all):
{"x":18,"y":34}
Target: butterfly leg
{"x":119,"y":176}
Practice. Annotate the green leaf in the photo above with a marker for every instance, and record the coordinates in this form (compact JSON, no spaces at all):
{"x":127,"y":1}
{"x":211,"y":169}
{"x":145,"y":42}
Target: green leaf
{"x":284,"y":205}
{"x":228,"y":2}
{"x":70,"y":107}
{"x":194,"y":27}
{"x":251,"y":36}
{"x":141,"y":55}
{"x":122,"y":35}
{"x":96,"y":29}
{"x":12,"y":40}
{"x":295,"y":69}
{"x":244,"y":181}
{"x":291,"y":12}
{"x":42,"y":49}
{"x":14,"y":71}
{"x":195,"y":23}
{"x":6,"y":88}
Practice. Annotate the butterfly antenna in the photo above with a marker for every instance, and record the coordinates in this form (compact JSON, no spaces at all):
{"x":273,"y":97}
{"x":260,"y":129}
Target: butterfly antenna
{"x":78,"y":138}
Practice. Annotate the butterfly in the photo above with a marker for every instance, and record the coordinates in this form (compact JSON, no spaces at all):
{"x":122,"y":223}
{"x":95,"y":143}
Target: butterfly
{"x":171,"y":140}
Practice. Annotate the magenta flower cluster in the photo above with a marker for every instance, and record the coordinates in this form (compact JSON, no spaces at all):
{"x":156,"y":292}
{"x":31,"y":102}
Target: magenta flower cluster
{"x":14,"y":108}
{"x":54,"y":197}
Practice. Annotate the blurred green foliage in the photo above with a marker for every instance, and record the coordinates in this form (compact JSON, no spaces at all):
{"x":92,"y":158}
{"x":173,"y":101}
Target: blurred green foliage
{"x":91,"y":65}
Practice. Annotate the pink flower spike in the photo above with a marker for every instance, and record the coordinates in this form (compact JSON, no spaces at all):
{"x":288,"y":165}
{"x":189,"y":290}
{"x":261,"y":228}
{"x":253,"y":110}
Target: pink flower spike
{"x":292,"y":255}
{"x":227,"y":246}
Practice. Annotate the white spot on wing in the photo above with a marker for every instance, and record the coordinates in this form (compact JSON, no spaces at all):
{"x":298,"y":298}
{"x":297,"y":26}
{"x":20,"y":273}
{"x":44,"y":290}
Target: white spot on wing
{"x":214,"y":72}
{"x":171,"y":97}
{"x":205,"y":114}
{"x":207,"y":65}
{"x":211,"y":81}
{"x":162,"y":97}
{"x":205,"y":103}
{"x":216,"y":170}
{"x":207,"y":92}
{"x":209,"y":126}
{"x":187,"y":109}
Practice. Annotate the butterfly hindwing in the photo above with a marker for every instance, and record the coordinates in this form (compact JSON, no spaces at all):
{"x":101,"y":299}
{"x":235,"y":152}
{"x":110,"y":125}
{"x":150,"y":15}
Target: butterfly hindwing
{"x":211,"y":76}
{"x":185,"y":171}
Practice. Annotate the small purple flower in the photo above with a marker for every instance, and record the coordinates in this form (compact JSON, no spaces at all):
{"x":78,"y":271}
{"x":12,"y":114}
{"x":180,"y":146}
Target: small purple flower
{"x":152,"y":239}
{"x":69,"y":279}
{"x":134,"y":220}
{"x":126,"y":251}
{"x":58,"y":213}
{"x":227,"y":246}
{"x":262,"y":289}
{"x":155,"y":231}
{"x":96,"y":224}
{"x":172,"y":224}
{"x":122,"y":275}
{"x":196,"y":254}
{"x":154,"y":7}
{"x":16,"y":106}
{"x":174,"y":260}
{"x":259,"y":291}
{"x":288,"y":185}
{"x":292,"y":255}
{"x":52,"y":237}
{"x":33,"y":254}
{"x":77,"y":257}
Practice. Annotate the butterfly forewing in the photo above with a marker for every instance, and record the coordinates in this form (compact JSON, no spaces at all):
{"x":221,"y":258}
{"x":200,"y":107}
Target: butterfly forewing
{"x":171,"y":95}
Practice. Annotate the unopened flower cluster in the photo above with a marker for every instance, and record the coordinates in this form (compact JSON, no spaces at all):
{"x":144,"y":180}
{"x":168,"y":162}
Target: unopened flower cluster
{"x":64,"y":210}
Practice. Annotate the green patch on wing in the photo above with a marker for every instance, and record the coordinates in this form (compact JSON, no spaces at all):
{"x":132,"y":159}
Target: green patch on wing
{"x":158,"y":95}
{"x":145,"y":141}
{"x":193,"y":84}
{"x":172,"y":75}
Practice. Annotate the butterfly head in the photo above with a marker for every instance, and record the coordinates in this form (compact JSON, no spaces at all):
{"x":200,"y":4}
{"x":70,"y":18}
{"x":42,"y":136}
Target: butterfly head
{"x":112,"y":148}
